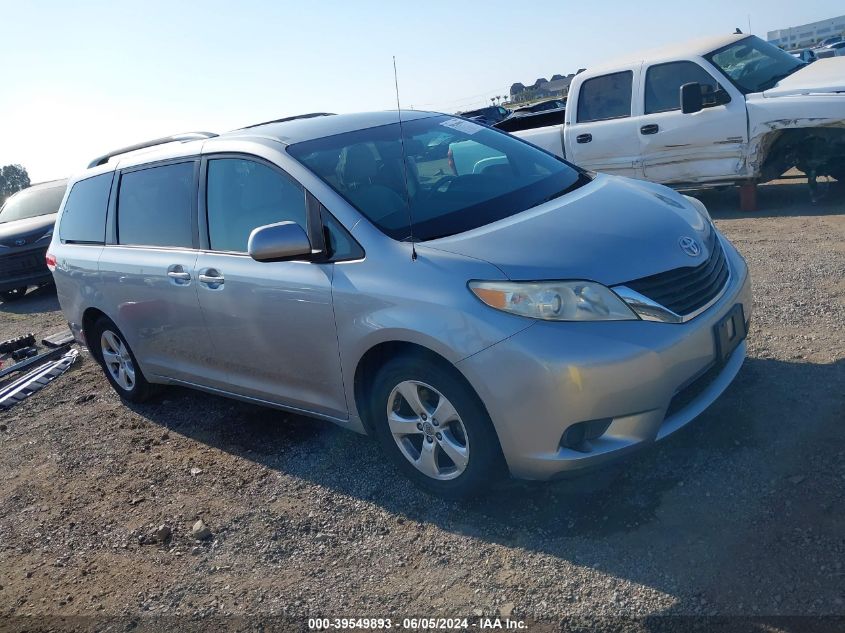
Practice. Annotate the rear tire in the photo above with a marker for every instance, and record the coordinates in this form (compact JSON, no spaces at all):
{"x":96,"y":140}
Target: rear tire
{"x":454,"y":457}
{"x":112,"y":351}
{"x":14,"y":294}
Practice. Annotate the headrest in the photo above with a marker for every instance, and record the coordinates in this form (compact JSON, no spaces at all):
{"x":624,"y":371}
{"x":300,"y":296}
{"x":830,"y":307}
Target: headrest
{"x":357,"y":165}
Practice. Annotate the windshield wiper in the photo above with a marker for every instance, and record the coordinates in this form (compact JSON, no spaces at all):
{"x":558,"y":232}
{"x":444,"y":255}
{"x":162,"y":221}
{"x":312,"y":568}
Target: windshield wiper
{"x":582,"y":179}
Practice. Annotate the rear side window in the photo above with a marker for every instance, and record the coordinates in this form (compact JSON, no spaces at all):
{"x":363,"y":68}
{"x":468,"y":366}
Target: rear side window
{"x":663,"y":84}
{"x":243,"y":195}
{"x":605,"y":97}
{"x":154,"y":206}
{"x":84,"y":216}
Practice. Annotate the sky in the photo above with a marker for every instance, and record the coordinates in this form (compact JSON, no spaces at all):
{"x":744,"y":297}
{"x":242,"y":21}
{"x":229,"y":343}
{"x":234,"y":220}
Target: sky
{"x":81,"y":78}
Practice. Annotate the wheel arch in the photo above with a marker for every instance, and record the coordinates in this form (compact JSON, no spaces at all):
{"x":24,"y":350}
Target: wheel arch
{"x":89,"y":318}
{"x":378,"y":354}
{"x":818,"y":149}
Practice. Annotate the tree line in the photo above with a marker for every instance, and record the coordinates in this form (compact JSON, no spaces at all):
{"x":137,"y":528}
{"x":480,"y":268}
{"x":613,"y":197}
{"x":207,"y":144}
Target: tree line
{"x":13,"y":178}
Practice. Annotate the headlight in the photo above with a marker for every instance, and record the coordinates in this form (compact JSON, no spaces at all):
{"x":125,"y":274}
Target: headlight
{"x":554,"y":300}
{"x":699,"y":206}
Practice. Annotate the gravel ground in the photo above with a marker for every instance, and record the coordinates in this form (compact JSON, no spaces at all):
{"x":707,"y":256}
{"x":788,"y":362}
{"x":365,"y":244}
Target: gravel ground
{"x":740,"y":513}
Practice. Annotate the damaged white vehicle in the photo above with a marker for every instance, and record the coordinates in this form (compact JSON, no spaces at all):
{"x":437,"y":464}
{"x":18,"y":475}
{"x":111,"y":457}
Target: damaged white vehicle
{"x":726,"y":110}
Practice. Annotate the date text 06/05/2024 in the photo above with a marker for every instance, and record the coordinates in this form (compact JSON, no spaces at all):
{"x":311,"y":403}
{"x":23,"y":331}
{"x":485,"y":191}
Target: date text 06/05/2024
{"x":416,"y":624}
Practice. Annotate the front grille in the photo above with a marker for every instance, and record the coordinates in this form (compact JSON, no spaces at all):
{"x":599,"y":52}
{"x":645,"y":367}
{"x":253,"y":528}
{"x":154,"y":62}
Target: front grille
{"x":23,"y":264}
{"x":685,"y":290}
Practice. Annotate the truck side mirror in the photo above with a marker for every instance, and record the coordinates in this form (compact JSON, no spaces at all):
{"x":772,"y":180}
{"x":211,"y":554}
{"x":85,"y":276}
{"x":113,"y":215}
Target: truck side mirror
{"x":691,"y":98}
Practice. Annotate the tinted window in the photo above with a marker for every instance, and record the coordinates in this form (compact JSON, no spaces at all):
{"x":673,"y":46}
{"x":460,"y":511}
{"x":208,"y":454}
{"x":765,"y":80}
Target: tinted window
{"x":459,"y":175}
{"x":84,"y":215}
{"x":663,"y":84}
{"x":154,"y":206}
{"x":30,"y":203}
{"x":605,"y":97}
{"x":243,"y":195}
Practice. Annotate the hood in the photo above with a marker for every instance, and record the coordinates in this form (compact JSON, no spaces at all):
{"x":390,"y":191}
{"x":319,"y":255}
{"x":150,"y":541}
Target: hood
{"x":29,"y":229}
{"x":612,"y":230}
{"x":824,"y":75}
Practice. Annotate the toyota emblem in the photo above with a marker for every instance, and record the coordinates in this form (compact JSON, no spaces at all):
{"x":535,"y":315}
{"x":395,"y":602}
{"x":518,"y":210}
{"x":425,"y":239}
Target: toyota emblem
{"x":690,"y":246}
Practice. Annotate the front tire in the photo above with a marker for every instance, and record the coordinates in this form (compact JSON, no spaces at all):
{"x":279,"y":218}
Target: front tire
{"x":435,"y":428}
{"x":118,"y":362}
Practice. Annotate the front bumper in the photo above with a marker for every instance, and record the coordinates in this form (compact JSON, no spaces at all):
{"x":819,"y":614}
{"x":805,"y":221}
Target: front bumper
{"x":636,"y":375}
{"x":24,"y":267}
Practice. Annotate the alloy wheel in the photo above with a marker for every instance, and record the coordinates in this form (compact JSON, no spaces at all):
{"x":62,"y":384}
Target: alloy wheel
{"x":117,"y":360}
{"x":428,"y":430}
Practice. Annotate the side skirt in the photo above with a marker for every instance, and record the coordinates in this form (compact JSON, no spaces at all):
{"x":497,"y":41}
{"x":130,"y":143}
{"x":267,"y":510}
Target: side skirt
{"x":352,"y":424}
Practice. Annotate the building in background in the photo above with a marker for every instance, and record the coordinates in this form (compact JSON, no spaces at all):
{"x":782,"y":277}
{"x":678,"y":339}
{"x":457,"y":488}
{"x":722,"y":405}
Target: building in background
{"x":807,"y":34}
{"x":557,"y":86}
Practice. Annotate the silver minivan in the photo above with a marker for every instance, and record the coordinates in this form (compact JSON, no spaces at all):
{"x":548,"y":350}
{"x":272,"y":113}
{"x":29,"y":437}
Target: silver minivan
{"x":479,"y":305}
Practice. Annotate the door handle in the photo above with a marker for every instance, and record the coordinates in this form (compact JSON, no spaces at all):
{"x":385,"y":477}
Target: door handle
{"x":583,"y":138}
{"x":651,"y":128}
{"x":178,"y":274}
{"x":211,"y":279}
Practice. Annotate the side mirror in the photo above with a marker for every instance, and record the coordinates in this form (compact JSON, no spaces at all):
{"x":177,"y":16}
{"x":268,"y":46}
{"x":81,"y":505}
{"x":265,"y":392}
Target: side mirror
{"x":279,"y":242}
{"x":691,"y":98}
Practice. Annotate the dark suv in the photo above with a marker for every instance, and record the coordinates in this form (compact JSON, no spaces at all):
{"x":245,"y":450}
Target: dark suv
{"x":26,"y":227}
{"x":488,"y":115}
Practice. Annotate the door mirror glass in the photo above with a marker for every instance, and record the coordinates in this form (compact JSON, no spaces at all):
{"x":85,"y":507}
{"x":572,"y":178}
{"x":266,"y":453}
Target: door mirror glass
{"x":279,"y":242}
{"x":691,"y":98}
{"x":708,"y":96}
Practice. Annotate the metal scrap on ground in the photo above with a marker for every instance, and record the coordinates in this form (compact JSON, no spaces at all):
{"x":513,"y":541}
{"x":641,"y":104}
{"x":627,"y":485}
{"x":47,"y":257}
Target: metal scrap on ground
{"x":65,"y":337}
{"x":35,"y":380}
{"x":12,"y":344}
{"x":32,"y":362}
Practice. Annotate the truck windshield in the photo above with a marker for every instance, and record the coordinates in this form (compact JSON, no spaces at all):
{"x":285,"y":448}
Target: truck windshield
{"x":460,"y":175}
{"x":30,"y":203}
{"x":753,"y":65}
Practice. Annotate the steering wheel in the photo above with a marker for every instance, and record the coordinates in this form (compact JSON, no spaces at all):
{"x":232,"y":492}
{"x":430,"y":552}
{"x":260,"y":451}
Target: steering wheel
{"x":749,"y":69}
{"x":444,"y":183}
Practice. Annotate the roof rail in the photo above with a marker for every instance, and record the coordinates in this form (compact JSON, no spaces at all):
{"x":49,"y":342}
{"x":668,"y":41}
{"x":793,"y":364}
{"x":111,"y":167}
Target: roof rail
{"x":310,"y":115}
{"x":175,"y":138}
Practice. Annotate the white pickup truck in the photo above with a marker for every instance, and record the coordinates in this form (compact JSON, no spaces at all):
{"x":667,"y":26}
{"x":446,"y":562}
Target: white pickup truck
{"x":726,"y":110}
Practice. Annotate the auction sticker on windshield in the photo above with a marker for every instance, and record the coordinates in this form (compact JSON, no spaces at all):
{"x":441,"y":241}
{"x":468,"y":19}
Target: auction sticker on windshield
{"x":467,"y":127}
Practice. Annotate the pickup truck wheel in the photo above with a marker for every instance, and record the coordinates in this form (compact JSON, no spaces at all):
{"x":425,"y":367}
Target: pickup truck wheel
{"x":434,"y":428}
{"x":119,"y":365}
{"x":13,"y":295}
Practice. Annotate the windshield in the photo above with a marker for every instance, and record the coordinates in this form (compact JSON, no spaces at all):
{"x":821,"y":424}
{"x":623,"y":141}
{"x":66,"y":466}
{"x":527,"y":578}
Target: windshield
{"x":32,"y":202}
{"x":753,"y":65}
{"x":460,"y":175}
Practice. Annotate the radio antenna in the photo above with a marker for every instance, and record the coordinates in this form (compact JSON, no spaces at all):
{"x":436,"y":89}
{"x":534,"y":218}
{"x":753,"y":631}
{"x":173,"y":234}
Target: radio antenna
{"x":404,"y":164}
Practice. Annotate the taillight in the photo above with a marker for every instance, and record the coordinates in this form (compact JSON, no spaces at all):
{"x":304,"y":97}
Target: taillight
{"x":51,"y":261}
